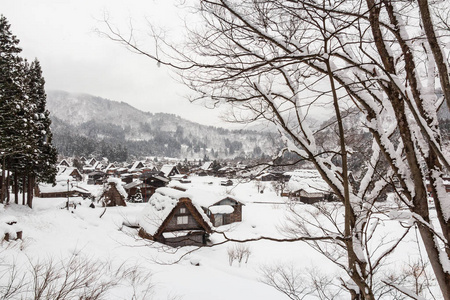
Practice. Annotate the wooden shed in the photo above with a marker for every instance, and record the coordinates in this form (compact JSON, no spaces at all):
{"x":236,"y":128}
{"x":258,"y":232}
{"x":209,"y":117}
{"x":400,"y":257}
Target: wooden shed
{"x":225,"y":211}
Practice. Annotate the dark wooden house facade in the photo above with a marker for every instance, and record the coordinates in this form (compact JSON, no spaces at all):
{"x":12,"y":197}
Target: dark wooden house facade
{"x":111,"y":195}
{"x":150,"y":182}
{"x":96,"y":177}
{"x":307,"y":197}
{"x":183,"y":226}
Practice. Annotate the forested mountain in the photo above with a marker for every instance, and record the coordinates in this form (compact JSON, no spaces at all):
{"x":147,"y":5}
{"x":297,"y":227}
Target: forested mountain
{"x":84,"y":124}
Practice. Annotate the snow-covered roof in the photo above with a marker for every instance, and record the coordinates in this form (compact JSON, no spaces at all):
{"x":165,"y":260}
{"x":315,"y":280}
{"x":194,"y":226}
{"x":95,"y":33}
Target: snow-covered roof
{"x":119,"y":186}
{"x":162,"y":202}
{"x":98,"y":165}
{"x":64,"y":173}
{"x":207,"y":165}
{"x":226,"y":169}
{"x":132,"y":184}
{"x":200,"y":196}
{"x":65,"y":170}
{"x":163,"y":179}
{"x":204,"y":198}
{"x":136,"y":164}
{"x":308,"y":180}
{"x":111,"y":166}
{"x":221,"y":209}
{"x":177,"y":185}
{"x":60,"y":187}
{"x":65,"y":178}
{"x":64,"y":162}
{"x":178,"y":233}
{"x":166,"y":169}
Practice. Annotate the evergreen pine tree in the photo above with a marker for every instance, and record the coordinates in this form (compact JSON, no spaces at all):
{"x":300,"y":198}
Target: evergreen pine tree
{"x":138,"y":196}
{"x":44,"y":153}
{"x":11,"y":100}
{"x":25,"y":135}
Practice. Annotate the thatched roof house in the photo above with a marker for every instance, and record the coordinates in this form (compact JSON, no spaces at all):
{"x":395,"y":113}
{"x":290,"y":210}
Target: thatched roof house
{"x":170,"y":217}
{"x":113,"y":194}
{"x":220,"y":209}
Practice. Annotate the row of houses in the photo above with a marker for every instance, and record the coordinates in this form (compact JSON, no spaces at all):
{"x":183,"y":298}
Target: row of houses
{"x":209,"y":168}
{"x":142,"y":180}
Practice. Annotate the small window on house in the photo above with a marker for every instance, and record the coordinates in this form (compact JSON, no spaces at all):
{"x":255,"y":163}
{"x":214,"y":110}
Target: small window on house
{"x":182,"y":219}
{"x":182,"y":210}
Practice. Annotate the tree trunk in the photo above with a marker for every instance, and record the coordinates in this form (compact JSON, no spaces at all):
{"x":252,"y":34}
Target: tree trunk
{"x":2,"y":195}
{"x":441,"y":64}
{"x":358,"y":269}
{"x":419,"y":201}
{"x":16,"y":188}
{"x":24,"y":181}
{"x":8,"y":195}
{"x":442,"y":277}
{"x":30,"y":190}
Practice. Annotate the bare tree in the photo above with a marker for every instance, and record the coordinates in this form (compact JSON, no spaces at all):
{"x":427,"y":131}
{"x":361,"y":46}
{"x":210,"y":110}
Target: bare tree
{"x":301,"y":284}
{"x":281,"y":60}
{"x":238,"y":252}
{"x":411,"y":282}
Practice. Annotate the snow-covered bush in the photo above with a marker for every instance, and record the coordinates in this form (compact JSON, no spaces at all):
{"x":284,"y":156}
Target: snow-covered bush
{"x":76,"y":277}
{"x":238,"y":252}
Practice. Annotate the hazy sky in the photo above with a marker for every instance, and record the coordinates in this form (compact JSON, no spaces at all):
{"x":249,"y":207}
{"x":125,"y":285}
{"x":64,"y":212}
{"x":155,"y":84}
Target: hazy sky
{"x":61,"y":34}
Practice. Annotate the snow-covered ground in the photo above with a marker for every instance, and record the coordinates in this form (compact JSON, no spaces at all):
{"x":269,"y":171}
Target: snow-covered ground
{"x":52,"y":233}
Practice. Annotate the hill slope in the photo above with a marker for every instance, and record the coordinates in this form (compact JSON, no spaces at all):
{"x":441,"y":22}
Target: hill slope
{"x":84,"y":124}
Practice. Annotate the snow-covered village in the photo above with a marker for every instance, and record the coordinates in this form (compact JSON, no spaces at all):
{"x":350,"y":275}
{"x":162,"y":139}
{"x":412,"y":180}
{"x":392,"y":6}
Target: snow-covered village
{"x":189,"y":150}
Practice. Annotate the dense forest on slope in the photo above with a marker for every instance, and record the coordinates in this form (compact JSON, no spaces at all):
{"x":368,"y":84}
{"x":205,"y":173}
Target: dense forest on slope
{"x":87,"y":125}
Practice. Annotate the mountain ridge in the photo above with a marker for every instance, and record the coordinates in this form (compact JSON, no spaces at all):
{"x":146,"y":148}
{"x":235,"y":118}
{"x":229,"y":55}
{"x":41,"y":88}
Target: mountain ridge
{"x":79,"y":115}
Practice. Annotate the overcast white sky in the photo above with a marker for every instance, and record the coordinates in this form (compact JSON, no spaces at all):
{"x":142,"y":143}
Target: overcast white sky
{"x":61,"y":34}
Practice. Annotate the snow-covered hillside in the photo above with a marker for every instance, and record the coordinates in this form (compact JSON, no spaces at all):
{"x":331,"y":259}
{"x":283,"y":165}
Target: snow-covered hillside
{"x":99,"y":118}
{"x":55,"y":235}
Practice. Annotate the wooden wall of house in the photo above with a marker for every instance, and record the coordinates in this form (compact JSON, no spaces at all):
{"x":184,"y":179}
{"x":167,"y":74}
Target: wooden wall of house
{"x":113,"y":197}
{"x":55,"y":194}
{"x":310,"y":200}
{"x":147,"y":192}
{"x":192,"y":223}
{"x":236,"y":216}
{"x":194,"y":239}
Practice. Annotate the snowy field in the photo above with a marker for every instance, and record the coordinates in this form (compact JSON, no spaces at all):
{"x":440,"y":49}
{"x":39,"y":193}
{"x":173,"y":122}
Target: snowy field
{"x":144,"y":270}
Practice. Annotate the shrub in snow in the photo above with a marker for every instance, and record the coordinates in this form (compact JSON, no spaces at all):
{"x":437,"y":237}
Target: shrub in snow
{"x":238,"y":252}
{"x":75,"y":277}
